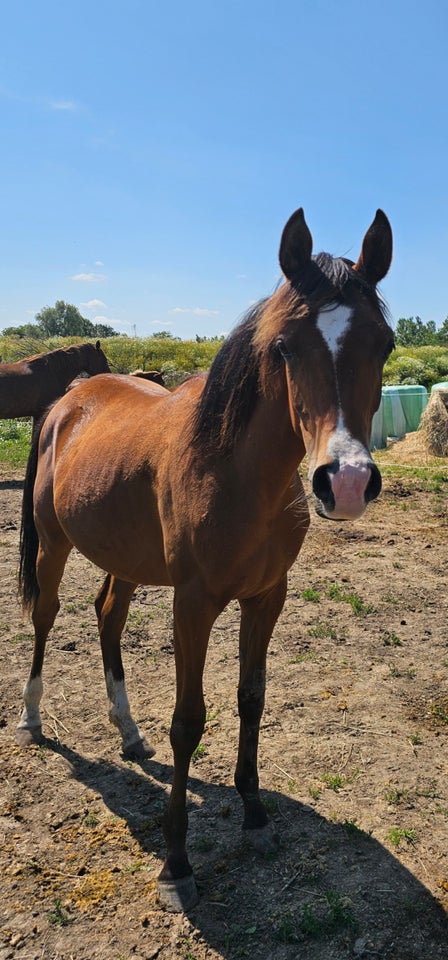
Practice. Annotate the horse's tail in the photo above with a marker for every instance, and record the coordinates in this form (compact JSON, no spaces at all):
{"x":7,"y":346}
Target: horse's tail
{"x":29,"y":540}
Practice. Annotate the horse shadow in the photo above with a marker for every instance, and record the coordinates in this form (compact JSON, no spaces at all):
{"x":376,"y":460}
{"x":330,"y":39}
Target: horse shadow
{"x":330,"y":882}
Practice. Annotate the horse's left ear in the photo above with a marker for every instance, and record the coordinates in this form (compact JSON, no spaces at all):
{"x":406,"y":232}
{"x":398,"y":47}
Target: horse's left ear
{"x":376,"y":254}
{"x":295,"y":246}
{"x":97,"y":345}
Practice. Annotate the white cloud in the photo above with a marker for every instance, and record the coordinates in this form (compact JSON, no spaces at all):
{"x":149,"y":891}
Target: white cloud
{"x":94,"y":304}
{"x":69,"y":105}
{"x":197,"y":311}
{"x":89,"y":277}
{"x":99,"y":263}
{"x":160,"y":324}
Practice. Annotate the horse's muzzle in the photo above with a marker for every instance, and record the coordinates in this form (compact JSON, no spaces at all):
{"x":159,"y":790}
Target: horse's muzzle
{"x":342,"y":491}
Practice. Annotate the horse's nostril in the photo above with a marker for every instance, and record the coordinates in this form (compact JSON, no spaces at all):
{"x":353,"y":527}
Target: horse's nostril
{"x":373,"y":488}
{"x":322,"y":484}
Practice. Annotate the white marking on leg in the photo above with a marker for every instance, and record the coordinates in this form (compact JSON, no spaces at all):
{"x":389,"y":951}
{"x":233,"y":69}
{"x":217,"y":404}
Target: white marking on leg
{"x":32,"y":695}
{"x":120,"y":713}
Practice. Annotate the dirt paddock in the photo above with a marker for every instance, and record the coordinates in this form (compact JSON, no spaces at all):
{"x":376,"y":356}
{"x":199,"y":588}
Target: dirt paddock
{"x":353,"y":762}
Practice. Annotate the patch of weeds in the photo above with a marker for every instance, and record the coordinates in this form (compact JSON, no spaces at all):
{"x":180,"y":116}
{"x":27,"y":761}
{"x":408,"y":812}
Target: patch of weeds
{"x":394,"y":796}
{"x":439,"y":713}
{"x":340,"y":913}
{"x":270,"y":805}
{"x":360,"y":609}
{"x":211,"y":715}
{"x":391,"y":640}
{"x":198,"y":753}
{"x":315,"y":792}
{"x":322,"y":630}
{"x":410,"y":672}
{"x":58,"y":916}
{"x":310,"y":925}
{"x":334,"y":781}
{"x":394,"y":671}
{"x":312,"y":596}
{"x":399,"y":834}
{"x":389,"y":598}
{"x":292,"y":785}
{"x":415,"y":739}
{"x":22,"y":638}
{"x":285,"y":930}
{"x":302,"y":657}
{"x":91,"y":820}
{"x":355,"y":832}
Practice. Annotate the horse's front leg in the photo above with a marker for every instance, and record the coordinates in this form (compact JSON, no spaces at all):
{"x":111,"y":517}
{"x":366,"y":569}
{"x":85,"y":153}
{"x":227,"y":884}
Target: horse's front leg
{"x":112,"y":605}
{"x":258,"y":618}
{"x":194,"y":615}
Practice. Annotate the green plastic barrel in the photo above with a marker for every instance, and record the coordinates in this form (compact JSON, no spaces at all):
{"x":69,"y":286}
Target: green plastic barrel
{"x":393,"y":415}
{"x":440,"y":386}
{"x":413,"y":401}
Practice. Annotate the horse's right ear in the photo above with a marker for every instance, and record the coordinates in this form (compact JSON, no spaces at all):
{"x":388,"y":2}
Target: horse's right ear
{"x":97,"y":345}
{"x":295,"y":246}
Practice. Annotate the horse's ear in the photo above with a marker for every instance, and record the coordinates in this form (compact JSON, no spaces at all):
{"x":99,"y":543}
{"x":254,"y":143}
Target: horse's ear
{"x":97,"y":345}
{"x":295,"y":246}
{"x":376,"y":254}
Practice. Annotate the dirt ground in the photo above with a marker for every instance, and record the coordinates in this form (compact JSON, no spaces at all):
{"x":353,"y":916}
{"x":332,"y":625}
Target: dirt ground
{"x":353,"y":761}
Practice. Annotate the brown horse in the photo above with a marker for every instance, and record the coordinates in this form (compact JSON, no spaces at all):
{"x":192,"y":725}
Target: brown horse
{"x":27,"y":387}
{"x":199,"y":489}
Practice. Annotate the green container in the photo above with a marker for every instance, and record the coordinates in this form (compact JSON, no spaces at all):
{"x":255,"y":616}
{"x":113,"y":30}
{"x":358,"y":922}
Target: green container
{"x":413,"y":400}
{"x":440,"y":386}
{"x":394,"y":420}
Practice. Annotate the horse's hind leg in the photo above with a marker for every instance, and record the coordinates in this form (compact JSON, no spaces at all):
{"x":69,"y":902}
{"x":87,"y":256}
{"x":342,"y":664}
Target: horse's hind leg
{"x":258,"y":618}
{"x":112,"y":605}
{"x":49,"y":571}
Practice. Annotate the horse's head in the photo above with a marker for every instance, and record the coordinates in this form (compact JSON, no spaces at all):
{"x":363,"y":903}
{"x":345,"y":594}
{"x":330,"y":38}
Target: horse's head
{"x":334,"y":345}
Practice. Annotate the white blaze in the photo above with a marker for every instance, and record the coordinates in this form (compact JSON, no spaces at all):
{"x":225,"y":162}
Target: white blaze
{"x":333,"y":323}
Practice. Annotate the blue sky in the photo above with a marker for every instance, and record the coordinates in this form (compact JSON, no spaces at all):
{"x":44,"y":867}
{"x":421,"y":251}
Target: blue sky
{"x":152,"y":152}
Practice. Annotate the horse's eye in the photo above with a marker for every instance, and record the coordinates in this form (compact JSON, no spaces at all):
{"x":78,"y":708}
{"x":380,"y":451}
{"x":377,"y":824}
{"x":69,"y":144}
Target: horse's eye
{"x":282,"y":348}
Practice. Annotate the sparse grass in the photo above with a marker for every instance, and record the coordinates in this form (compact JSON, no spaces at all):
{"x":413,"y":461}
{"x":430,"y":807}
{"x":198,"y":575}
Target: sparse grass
{"x":322,"y":630}
{"x":58,"y":916}
{"x":360,"y":609}
{"x":391,"y":640}
{"x":302,"y":657}
{"x":334,"y":781}
{"x":198,"y":753}
{"x":397,"y":835}
{"x":312,"y":596}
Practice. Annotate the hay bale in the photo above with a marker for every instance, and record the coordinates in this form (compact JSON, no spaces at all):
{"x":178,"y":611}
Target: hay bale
{"x":434,"y":424}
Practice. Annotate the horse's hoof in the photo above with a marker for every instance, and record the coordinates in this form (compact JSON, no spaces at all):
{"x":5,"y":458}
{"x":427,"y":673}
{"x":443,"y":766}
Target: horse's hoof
{"x":26,"y":736}
{"x":139,"y":750}
{"x":264,"y":840}
{"x":178,"y":896}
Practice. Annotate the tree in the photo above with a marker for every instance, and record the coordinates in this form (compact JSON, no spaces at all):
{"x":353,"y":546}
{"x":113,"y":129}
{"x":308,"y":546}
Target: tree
{"x":62,"y":320}
{"x":412,"y":332}
{"x":28,"y":330}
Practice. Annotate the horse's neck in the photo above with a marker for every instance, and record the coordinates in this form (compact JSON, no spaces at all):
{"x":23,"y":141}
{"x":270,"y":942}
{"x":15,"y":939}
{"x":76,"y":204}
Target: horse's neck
{"x":270,"y":449}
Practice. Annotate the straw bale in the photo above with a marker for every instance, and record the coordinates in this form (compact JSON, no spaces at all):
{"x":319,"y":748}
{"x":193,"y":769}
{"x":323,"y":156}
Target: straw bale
{"x":434,"y":424}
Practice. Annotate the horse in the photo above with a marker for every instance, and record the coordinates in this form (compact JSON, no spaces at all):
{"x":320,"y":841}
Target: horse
{"x":198,"y":489}
{"x":154,"y":376}
{"x":28,"y":387}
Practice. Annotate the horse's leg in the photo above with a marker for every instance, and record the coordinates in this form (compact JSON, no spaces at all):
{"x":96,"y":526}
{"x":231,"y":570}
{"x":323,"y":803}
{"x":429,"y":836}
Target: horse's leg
{"x":258,"y":618}
{"x":49,"y":571}
{"x":194,"y":615}
{"x":112,"y":605}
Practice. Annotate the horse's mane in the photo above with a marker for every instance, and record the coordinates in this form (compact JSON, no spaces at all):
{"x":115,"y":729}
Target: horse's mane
{"x":245,"y":367}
